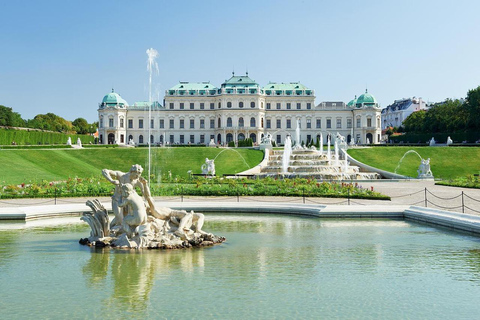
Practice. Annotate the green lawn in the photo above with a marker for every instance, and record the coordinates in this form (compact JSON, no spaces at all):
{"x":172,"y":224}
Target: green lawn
{"x":445,"y":162}
{"x":23,"y":166}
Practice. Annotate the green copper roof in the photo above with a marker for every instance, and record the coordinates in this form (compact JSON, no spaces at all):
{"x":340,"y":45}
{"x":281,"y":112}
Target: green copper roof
{"x":366,"y":99}
{"x":353,"y":102}
{"x":285,"y":86}
{"x":145,"y":105}
{"x":239,"y":81}
{"x":114,"y":98}
{"x":183,"y":85}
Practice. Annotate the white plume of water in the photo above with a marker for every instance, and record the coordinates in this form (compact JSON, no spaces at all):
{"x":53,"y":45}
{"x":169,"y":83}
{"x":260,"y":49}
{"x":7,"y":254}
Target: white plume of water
{"x":329,"y":156}
{"x":287,"y":152}
{"x":336,"y":153}
{"x":408,"y":152}
{"x":297,"y":134}
{"x":152,"y":67}
{"x":321,"y":143}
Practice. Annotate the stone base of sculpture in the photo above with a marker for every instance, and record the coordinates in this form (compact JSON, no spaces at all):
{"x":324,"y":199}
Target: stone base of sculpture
{"x":155,"y":233}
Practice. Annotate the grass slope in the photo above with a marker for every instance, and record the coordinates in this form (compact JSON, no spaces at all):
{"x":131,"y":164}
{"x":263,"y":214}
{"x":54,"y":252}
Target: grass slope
{"x":35,"y":165}
{"x":445,"y":162}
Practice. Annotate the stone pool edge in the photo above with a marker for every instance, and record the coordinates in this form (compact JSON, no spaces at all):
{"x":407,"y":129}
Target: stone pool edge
{"x":456,"y":221}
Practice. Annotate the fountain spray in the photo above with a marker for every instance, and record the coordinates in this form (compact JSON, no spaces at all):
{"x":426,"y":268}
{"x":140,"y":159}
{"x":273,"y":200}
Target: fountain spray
{"x":152,"y":67}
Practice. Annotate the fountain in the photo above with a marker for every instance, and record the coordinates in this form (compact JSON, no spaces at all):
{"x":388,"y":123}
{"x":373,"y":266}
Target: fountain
{"x":298,"y":143}
{"x":423,"y":170}
{"x":287,"y":152}
{"x":139,"y":222}
{"x":321,"y":143}
{"x":311,"y":163}
{"x":152,"y":67}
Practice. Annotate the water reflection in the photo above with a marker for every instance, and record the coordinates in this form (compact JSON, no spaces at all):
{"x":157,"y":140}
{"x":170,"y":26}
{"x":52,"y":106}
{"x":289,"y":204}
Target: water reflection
{"x":134,"y":273}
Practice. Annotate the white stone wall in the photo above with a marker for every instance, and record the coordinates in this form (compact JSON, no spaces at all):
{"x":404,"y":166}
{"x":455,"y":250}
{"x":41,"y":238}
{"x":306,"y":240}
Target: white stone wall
{"x":339,"y":118}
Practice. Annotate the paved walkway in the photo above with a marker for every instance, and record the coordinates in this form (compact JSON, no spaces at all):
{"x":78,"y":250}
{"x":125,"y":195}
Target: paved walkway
{"x":409,"y":192}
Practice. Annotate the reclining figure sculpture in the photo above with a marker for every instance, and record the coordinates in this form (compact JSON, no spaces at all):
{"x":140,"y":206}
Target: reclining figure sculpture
{"x":139,"y":222}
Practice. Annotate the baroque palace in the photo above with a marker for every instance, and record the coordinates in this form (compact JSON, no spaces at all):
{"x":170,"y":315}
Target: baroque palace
{"x":197,"y":112}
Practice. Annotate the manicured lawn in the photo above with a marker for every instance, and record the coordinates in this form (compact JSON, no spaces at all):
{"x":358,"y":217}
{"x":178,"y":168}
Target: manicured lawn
{"x":24,"y":166}
{"x":445,"y":162}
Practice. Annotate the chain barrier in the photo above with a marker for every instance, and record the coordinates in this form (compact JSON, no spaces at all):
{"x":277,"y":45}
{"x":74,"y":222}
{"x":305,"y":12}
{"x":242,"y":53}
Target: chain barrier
{"x":472,"y":209}
{"x":443,"y":207}
{"x":441,"y":198}
{"x":354,"y":202}
{"x":470,"y":197}
{"x":408,"y":195}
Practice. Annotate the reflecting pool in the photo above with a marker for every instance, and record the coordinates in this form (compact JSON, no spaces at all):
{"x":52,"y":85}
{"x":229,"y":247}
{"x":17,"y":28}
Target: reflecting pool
{"x":270,"y":267}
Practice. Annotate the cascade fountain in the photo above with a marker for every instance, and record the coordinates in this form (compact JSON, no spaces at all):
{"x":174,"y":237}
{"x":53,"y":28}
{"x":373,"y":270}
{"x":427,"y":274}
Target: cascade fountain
{"x":311,"y":163}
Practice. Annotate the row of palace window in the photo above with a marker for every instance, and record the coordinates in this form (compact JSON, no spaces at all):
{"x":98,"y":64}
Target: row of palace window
{"x":241,"y":123}
{"x":212,"y":105}
{"x":288,"y":106}
{"x":241,"y":104}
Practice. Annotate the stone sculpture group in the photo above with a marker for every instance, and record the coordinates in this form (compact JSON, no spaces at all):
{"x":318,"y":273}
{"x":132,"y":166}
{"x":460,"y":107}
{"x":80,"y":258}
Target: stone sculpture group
{"x":139,"y":222}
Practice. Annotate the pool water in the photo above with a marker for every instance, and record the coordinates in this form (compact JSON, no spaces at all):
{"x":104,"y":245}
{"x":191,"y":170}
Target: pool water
{"x":279,"y":267}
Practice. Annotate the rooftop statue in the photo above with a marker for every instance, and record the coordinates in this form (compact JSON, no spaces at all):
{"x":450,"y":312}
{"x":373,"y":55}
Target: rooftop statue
{"x":139,"y":222}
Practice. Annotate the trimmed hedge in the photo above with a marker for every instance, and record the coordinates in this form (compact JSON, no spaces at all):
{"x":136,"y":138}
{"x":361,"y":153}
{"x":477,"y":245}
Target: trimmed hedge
{"x":470,"y":136}
{"x":33,"y":137}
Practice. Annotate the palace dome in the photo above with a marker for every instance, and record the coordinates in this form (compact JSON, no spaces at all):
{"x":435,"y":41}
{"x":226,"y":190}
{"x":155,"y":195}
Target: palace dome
{"x":113,"y":98}
{"x":366,"y":99}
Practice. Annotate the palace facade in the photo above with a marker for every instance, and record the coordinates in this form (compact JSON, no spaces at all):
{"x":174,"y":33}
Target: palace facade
{"x":197,"y":112}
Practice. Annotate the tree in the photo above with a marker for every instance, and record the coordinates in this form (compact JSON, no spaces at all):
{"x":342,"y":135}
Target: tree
{"x":50,"y":122}
{"x":10,"y":118}
{"x":472,"y":106}
{"x":415,"y":122}
{"x":81,"y":126}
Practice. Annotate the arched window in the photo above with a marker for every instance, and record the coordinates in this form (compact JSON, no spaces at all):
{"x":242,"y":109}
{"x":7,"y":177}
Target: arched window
{"x":241,"y":136}
{"x":252,"y":104}
{"x":229,"y":122}
{"x":130,"y":137}
{"x":253,"y":136}
{"x":229,"y":104}
{"x":219,"y":138}
{"x":252,"y":122}
{"x":229,"y":137}
{"x":140,"y":139}
{"x":161,"y":138}
{"x":151,"y":139}
{"x":219,"y":122}
{"x":240,"y":104}
{"x":240,"y":122}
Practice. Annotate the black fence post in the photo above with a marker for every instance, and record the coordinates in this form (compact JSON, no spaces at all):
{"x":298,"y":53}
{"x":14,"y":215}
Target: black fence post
{"x":463,"y":204}
{"x":348,"y":197}
{"x":303,"y":193}
{"x":55,"y":195}
{"x":425,"y":197}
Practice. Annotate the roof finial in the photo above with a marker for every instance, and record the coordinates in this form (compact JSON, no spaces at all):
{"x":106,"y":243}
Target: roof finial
{"x":246,"y":70}
{"x":233,"y":71}
{"x":113,"y":90}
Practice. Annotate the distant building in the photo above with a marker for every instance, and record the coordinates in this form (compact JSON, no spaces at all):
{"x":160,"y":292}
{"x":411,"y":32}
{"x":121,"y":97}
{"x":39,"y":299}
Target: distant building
{"x":394,"y":114}
{"x":197,"y":112}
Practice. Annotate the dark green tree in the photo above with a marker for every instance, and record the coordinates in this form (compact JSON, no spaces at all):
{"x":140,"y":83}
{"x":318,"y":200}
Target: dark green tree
{"x":10,"y":118}
{"x":81,"y":126}
{"x":472,"y":106}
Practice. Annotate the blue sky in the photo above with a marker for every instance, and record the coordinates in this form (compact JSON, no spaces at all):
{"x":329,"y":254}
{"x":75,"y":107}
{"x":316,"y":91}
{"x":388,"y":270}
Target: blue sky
{"x":64,"y":56}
